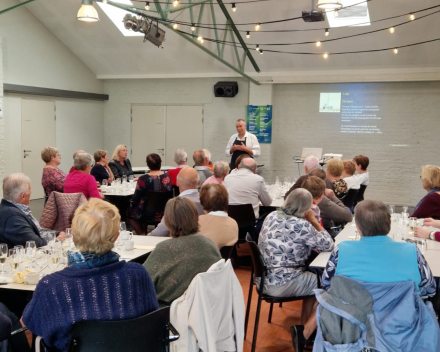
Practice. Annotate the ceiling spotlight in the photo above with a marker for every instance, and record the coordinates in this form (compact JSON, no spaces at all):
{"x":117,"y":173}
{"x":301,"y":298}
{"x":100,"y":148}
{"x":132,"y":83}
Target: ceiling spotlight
{"x":257,"y":48}
{"x":175,"y":26}
{"x":325,"y":56}
{"x":318,"y":43}
{"x":391,"y":29}
{"x":336,"y":13}
{"x":234,"y":8}
{"x":326,"y":32}
{"x":149,"y":28}
{"x":257,"y":27}
{"x":261,"y":52}
{"x":412,"y":17}
{"x":87,"y":13}
{"x":147,"y":6}
{"x":329,"y":4}
{"x":248,"y":35}
{"x":176,"y":3}
{"x":395,"y":51}
{"x":193,"y":27}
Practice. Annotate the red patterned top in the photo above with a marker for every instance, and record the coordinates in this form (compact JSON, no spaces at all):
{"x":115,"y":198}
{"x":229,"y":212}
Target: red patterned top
{"x":53,"y":180}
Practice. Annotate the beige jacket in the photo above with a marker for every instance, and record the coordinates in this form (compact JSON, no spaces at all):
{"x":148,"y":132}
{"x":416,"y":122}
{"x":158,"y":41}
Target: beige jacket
{"x":222,"y":230}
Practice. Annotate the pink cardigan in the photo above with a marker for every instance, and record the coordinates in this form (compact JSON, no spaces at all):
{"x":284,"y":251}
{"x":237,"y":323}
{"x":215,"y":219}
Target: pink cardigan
{"x":78,"y":182}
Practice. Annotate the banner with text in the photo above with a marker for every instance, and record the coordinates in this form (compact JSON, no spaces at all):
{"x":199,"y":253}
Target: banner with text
{"x":259,"y":122}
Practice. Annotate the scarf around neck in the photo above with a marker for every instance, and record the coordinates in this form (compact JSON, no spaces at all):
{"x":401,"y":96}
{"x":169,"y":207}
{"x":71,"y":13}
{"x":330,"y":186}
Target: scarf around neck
{"x":86,"y":260}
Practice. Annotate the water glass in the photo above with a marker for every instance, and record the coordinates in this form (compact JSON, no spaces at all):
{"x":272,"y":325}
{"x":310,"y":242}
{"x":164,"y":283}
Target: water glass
{"x":124,"y":179}
{"x":405,"y":212}
{"x":68,"y":236}
{"x":277,"y":181}
{"x":104,"y":183}
{"x":392,"y":208}
{"x":41,"y":259}
{"x":3,"y":256}
{"x":131,"y":178}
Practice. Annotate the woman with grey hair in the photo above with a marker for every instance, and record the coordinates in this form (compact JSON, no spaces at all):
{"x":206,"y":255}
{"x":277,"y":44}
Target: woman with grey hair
{"x":181,"y":159}
{"x":286,"y":241}
{"x":221,"y":170}
{"x":80,"y":180}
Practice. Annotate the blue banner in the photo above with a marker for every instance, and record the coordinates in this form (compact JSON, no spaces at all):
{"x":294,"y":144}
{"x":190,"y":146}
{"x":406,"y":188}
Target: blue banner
{"x":259,"y":122}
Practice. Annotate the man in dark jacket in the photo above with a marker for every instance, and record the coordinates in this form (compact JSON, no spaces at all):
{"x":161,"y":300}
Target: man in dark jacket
{"x":17,"y":224}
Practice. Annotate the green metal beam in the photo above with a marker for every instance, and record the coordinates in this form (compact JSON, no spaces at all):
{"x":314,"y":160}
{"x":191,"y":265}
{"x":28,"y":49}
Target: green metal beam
{"x":16,"y":6}
{"x":159,"y":9}
{"x":238,"y":35}
{"x":202,"y":7}
{"x":236,"y":51}
{"x":191,"y":13}
{"x":225,"y":33}
{"x":214,"y":22}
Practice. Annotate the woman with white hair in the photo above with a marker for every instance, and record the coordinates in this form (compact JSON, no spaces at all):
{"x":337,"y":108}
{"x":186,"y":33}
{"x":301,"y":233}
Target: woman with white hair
{"x":80,"y":179}
{"x":221,"y":170}
{"x":96,"y":285}
{"x":181,"y":159}
{"x":286,"y":240}
{"x":119,"y":164}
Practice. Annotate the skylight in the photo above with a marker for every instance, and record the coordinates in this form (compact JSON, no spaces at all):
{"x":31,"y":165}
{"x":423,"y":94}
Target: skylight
{"x":352,"y":16}
{"x":116,"y":15}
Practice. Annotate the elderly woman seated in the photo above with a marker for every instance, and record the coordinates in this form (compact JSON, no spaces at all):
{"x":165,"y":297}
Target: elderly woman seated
{"x":94,"y":286}
{"x":53,"y":177}
{"x":221,"y":170}
{"x":348,"y":175}
{"x":101,"y":171}
{"x":216,"y":224}
{"x":335,"y":168}
{"x":119,"y":164}
{"x":80,"y":179}
{"x":429,"y":205}
{"x":376,"y":258}
{"x":175,"y":262}
{"x":286,"y":239}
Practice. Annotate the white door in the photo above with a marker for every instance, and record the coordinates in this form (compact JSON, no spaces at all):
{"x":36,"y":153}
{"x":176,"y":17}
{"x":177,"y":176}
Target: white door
{"x":147,"y":133}
{"x":184,"y":129}
{"x":37,"y":132}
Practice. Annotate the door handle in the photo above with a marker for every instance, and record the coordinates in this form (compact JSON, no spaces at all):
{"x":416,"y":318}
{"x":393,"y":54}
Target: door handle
{"x":27,"y":151}
{"x":161,"y":149}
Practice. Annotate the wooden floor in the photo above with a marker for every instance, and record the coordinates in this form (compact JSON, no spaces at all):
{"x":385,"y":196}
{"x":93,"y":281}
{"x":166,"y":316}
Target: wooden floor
{"x":273,"y":337}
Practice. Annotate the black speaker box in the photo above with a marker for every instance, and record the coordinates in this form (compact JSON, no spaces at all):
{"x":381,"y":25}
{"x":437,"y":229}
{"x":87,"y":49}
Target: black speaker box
{"x":226,"y":89}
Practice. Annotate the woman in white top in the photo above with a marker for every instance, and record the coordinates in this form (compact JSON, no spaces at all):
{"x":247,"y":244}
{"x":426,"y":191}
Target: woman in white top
{"x":348,"y":175}
{"x":362,"y":163}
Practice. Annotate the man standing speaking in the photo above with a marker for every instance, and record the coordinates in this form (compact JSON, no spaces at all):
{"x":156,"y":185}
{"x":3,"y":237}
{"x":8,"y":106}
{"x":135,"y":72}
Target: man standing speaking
{"x":241,"y":143}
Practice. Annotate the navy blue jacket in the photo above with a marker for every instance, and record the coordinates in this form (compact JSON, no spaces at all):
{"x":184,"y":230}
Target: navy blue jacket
{"x":16,"y":228}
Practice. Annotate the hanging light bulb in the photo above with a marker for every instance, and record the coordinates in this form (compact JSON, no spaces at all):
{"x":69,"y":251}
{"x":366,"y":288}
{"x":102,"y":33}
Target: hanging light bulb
{"x":200,"y":39}
{"x":234,"y":8}
{"x":193,"y":27}
{"x":257,"y":27}
{"x":176,"y":3}
{"x":175,"y":26}
{"x":395,"y":51}
{"x":326,"y":32}
{"x":412,"y":17}
{"x":336,"y":13}
{"x":318,"y":43}
{"x":391,"y":29}
{"x":325,"y":56}
{"x":87,"y":13}
{"x":147,"y":6}
{"x":248,"y":35}
{"x":257,"y":48}
{"x":261,"y":52}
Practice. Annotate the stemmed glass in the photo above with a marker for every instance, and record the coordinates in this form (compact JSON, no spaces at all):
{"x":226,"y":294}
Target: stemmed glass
{"x":104,"y":183}
{"x":3,"y":256}
{"x":122,"y":229}
{"x":392,"y":208}
{"x":55,"y":257}
{"x":31,"y":249}
{"x":405,"y":213}
{"x":68,"y":236}
{"x":41,"y":259}
{"x":14,"y":258}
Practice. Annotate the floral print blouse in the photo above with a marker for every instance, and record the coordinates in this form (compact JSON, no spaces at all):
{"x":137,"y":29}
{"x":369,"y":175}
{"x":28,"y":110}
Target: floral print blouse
{"x":286,"y":240}
{"x":53,"y":180}
{"x":340,"y":188}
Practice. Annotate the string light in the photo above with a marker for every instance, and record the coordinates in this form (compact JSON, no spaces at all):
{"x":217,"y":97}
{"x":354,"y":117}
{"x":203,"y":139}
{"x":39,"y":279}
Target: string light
{"x":336,"y":13}
{"x":193,"y":27}
{"x":200,"y":39}
{"x":395,"y":51}
{"x":261,"y":52}
{"x":234,"y":8}
{"x":326,"y":32}
{"x":391,"y":30}
{"x":257,"y":27}
{"x":175,"y":26}
{"x":176,"y":3}
{"x":412,"y":17}
{"x":248,"y":35}
{"x":147,"y":6}
{"x":318,"y":43}
{"x":325,"y":56}
{"x":257,"y":48}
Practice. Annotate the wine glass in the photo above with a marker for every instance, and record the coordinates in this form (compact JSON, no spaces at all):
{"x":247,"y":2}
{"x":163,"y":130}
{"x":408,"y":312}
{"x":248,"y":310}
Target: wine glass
{"x":104,"y":182}
{"x":391,"y":207}
{"x":14,"y":258}
{"x":131,"y":178}
{"x":31,"y":249}
{"x":55,"y":257}
{"x":405,"y":213}
{"x":41,"y":259}
{"x":3,"y":255}
{"x":68,"y":233}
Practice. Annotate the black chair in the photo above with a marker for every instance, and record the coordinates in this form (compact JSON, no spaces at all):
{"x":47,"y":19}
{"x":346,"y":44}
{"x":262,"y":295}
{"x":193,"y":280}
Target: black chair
{"x":350,"y":197}
{"x":176,"y":191}
{"x":360,"y":194}
{"x":244,"y":215}
{"x":226,"y":252}
{"x":154,"y":204}
{"x":259,"y":270}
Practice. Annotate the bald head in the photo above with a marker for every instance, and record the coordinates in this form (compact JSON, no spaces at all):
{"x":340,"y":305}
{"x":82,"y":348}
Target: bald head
{"x":78,"y":152}
{"x":249,"y":164}
{"x":200,"y":158}
{"x":188,"y":178}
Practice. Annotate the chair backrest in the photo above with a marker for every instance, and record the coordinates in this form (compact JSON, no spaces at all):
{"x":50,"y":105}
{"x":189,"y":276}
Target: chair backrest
{"x":176,"y":191}
{"x":150,"y":332}
{"x":350,"y":197}
{"x":360,"y":194}
{"x":157,"y":200}
{"x":257,"y":259}
{"x":226,"y":251}
{"x":243,"y":214}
